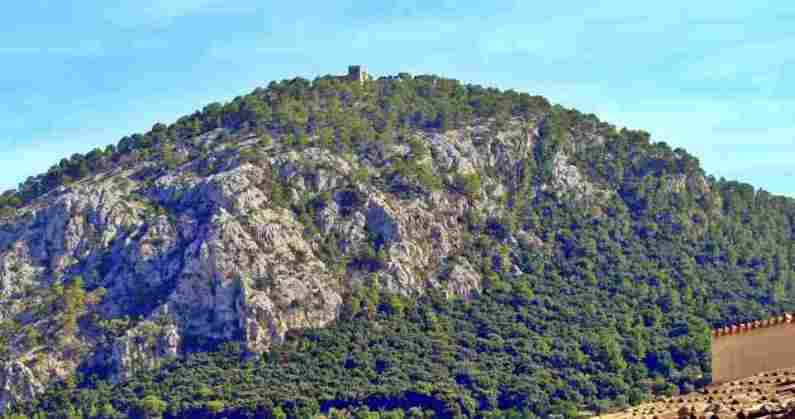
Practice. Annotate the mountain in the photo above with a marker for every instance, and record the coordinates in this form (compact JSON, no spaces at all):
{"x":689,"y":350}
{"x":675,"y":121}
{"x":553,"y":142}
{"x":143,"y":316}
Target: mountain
{"x":409,"y":244}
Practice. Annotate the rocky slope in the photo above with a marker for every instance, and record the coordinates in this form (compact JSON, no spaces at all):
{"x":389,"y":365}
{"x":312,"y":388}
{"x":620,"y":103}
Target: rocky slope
{"x":190,"y":258}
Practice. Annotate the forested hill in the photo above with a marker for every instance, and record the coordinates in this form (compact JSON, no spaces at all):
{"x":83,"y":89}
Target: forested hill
{"x":409,"y":246}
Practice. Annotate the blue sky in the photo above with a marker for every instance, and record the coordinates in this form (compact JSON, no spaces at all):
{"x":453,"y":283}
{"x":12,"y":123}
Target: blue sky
{"x":717,"y":78}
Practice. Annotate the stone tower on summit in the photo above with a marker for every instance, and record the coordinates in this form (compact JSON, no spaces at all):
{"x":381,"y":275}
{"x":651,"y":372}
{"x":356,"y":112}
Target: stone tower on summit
{"x":358,"y":73}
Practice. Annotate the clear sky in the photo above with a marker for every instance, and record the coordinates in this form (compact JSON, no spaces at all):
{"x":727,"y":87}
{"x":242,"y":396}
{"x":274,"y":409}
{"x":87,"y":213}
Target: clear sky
{"x":717,"y":77}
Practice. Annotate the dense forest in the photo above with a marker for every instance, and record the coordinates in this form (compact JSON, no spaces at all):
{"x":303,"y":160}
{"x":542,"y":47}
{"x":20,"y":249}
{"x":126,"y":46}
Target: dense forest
{"x":614,"y":307}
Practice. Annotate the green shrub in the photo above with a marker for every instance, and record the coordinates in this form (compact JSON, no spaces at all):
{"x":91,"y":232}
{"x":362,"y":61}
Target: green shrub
{"x":469,"y":184}
{"x":214,"y":406}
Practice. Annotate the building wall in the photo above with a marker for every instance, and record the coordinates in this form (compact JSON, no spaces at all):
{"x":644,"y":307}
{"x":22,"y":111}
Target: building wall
{"x":749,"y":349}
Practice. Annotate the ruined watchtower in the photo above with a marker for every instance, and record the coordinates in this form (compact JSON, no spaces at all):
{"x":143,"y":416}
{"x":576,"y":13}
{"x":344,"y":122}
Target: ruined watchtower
{"x":358,"y":73}
{"x":748,"y":349}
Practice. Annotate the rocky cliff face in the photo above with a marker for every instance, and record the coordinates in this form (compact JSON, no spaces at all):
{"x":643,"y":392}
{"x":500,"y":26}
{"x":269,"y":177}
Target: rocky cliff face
{"x":175,"y":260}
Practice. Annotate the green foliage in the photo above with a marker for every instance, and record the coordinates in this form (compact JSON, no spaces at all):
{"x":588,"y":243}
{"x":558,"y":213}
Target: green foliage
{"x":278,"y":413}
{"x":152,"y":407}
{"x":168,"y":157}
{"x":300,"y":139}
{"x":395,"y":305}
{"x":251,"y":155}
{"x":469,"y":184}
{"x":73,"y":305}
{"x":425,"y":176}
{"x":215,"y":406}
{"x":265,"y":140}
{"x":360,"y":176}
{"x":419,"y":151}
{"x":278,"y":191}
{"x":108,"y":412}
{"x":8,"y":203}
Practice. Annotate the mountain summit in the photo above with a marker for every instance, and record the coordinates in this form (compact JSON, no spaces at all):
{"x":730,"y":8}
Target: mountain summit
{"x":407,"y":243}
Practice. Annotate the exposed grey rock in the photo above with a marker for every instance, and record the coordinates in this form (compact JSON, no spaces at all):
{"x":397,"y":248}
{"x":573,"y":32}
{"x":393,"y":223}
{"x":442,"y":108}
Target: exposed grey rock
{"x":143,"y":347}
{"x":567,"y":179}
{"x":462,"y":280}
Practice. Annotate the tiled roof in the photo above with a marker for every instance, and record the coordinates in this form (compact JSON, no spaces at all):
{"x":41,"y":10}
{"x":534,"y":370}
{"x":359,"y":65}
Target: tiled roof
{"x":744,"y":327}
